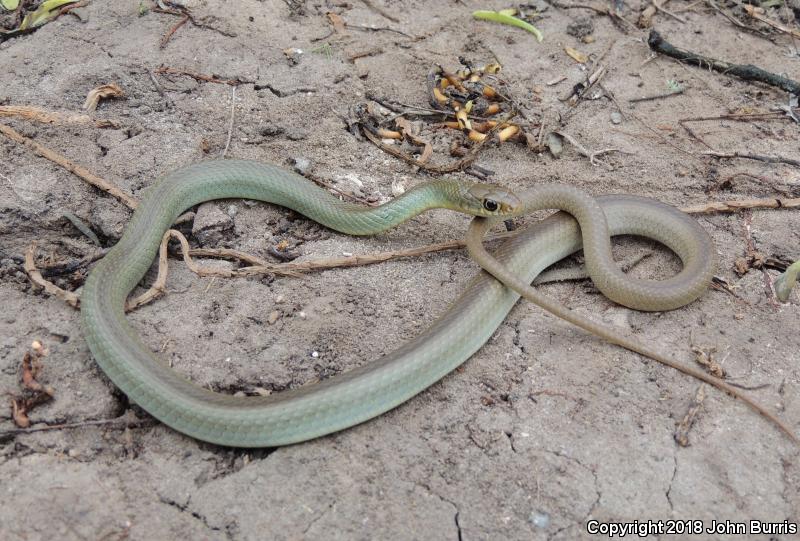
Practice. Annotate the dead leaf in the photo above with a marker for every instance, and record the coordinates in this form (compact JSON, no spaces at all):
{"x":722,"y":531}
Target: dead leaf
{"x":337,"y":22}
{"x":111,"y":90}
{"x":576,"y":55}
{"x":46,"y":11}
{"x":33,"y":392}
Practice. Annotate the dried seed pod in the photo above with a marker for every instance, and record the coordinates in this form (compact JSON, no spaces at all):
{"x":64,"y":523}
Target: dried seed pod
{"x":463,"y":121}
{"x":383,"y":133}
{"x":507,"y":133}
{"x":440,"y":98}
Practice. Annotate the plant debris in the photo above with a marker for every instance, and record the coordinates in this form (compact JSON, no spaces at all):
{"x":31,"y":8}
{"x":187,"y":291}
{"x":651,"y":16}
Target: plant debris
{"x":506,"y":16}
{"x":748,"y":72}
{"x":111,"y":90}
{"x":44,"y":13}
{"x":471,"y":107}
{"x":33,"y":393}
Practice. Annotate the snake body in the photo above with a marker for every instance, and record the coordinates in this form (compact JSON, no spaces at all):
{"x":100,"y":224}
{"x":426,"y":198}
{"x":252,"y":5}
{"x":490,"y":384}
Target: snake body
{"x":363,"y":393}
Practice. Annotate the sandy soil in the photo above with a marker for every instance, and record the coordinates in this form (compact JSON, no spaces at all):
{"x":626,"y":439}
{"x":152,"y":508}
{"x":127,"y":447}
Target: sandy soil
{"x":542,"y":430}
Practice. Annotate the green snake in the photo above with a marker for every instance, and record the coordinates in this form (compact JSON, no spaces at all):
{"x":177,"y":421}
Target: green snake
{"x":353,"y":397}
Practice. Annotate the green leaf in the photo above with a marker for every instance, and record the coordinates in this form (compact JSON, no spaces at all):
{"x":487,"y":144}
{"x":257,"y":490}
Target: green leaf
{"x":10,"y":5}
{"x":503,"y":17}
{"x":46,"y":11}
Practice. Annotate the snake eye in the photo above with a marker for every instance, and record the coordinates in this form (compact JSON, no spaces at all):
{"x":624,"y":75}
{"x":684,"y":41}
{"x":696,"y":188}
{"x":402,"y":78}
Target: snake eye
{"x":491,"y":205}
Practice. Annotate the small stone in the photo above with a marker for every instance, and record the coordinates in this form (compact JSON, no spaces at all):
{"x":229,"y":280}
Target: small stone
{"x":232,"y":210}
{"x":296,"y":134}
{"x":539,"y":519}
{"x":580,"y":27}
{"x":554,"y":144}
{"x":301,"y":164}
{"x":280,"y":299}
{"x":273,"y":317}
{"x":73,"y":453}
{"x":616,"y":117}
{"x":302,"y":315}
{"x":315,"y":354}
{"x":270,"y":130}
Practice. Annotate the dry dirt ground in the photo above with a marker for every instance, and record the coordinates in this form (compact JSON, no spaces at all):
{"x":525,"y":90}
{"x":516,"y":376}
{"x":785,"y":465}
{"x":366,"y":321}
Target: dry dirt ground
{"x":542,"y":430}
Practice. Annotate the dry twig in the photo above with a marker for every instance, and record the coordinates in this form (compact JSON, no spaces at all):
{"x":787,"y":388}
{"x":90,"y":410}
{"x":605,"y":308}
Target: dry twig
{"x":380,"y":11}
{"x":201,"y":77}
{"x":682,"y":429}
{"x":748,"y":72}
{"x":758,"y":14}
{"x":230,"y":125}
{"x":53,"y":117}
{"x":36,"y":277}
{"x":592,"y":155}
{"x":70,"y":166}
{"x":742,"y":204}
{"x":756,"y":157}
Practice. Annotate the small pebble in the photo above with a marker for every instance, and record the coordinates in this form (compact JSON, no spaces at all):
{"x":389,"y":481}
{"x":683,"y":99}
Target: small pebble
{"x":232,"y":210}
{"x":315,"y":354}
{"x":539,"y":519}
{"x":616,"y":117}
{"x":302,"y":315}
{"x":398,"y":188}
{"x":273,"y":317}
{"x":347,"y":254}
{"x":301,"y":164}
{"x":280,"y":299}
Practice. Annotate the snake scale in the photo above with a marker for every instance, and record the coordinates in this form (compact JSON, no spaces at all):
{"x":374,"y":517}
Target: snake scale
{"x":353,"y":397}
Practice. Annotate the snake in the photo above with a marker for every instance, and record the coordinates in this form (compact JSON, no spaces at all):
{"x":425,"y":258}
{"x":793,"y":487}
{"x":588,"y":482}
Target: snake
{"x":357,"y":395}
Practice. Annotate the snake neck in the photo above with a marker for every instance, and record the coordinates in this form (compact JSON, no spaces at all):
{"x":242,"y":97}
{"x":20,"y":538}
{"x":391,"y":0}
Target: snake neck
{"x":371,"y":220}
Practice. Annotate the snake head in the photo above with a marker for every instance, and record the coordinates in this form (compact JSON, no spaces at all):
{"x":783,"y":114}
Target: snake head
{"x":491,"y":200}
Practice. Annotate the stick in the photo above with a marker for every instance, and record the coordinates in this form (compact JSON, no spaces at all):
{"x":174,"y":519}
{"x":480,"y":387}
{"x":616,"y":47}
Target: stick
{"x":70,"y":166}
{"x":36,"y":277}
{"x":230,"y":126}
{"x":759,"y":16}
{"x":659,"y":96}
{"x":743,"y":204}
{"x":172,"y":30}
{"x":380,"y":11}
{"x":123,"y":423}
{"x":202,"y":77}
{"x":53,"y":117}
{"x":757,"y":157}
{"x":747,"y":72}
{"x":583,"y":151}
{"x":742,"y":117}
{"x":665,"y":11}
